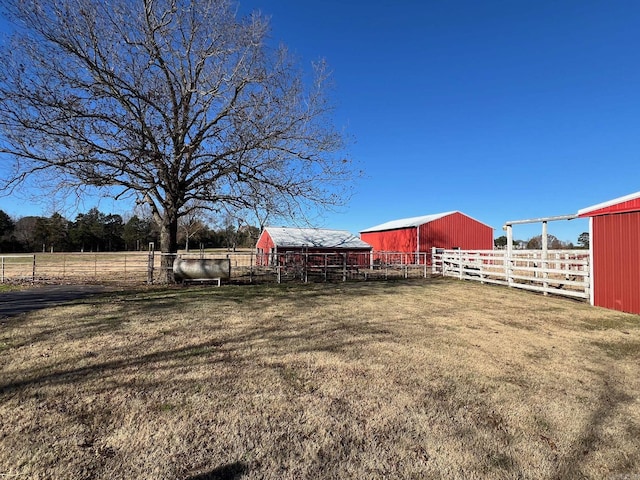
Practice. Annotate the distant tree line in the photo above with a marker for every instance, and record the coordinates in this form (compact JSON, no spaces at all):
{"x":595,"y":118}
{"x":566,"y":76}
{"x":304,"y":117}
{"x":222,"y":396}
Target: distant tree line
{"x":553,"y":243}
{"x":95,"y":231}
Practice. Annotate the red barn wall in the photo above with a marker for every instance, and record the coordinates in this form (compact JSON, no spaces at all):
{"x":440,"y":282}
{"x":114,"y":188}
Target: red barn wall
{"x":264,"y":248}
{"x":265,"y":242}
{"x":399,"y":240}
{"x":456,"y":230}
{"x":616,"y":261}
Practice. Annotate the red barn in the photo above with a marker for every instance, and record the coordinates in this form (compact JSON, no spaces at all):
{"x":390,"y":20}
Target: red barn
{"x":275,"y":241}
{"x":614,"y":233}
{"x":419,"y":234}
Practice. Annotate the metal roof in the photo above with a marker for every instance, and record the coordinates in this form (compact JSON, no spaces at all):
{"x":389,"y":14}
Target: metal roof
{"x":315,"y":237}
{"x":407,"y":222}
{"x":626,"y":203}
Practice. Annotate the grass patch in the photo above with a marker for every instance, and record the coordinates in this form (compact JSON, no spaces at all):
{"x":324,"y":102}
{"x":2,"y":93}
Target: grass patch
{"x":8,"y":287}
{"x":619,"y":321}
{"x":437,"y":379}
{"x":621,"y":349}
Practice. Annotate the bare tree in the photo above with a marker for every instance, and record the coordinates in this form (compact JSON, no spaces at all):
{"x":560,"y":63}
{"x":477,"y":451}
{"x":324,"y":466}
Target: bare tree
{"x":171,"y":102}
{"x":190,"y":227}
{"x":553,"y":243}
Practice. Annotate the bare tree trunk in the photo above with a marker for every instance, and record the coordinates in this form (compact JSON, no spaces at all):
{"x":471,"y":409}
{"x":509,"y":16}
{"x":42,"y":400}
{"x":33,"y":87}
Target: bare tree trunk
{"x":168,"y":245}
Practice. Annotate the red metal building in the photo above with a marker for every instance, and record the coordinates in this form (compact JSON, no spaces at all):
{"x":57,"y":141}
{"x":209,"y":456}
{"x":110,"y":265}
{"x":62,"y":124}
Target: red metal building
{"x":274,"y":242}
{"x":419,"y":234}
{"x":614,"y":233}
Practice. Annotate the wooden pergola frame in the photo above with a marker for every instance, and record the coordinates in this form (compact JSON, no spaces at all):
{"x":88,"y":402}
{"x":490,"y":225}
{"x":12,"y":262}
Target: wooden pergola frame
{"x":508,"y":226}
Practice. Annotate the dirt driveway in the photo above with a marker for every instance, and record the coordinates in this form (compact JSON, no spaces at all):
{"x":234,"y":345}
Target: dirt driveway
{"x":15,"y":303}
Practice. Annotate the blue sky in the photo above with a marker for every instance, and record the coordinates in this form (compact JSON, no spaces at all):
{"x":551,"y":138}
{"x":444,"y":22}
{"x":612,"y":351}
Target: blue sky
{"x":503,"y":110}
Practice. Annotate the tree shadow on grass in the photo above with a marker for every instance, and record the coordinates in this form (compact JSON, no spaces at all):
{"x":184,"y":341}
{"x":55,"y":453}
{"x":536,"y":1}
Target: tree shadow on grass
{"x":610,"y":400}
{"x":13,"y":304}
{"x":230,"y":471}
{"x":156,"y":304}
{"x":219,"y":346}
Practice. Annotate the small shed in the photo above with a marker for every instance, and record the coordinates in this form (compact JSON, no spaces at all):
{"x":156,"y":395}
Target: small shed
{"x":420,"y":234}
{"x":276,"y":241}
{"x":614,"y":241}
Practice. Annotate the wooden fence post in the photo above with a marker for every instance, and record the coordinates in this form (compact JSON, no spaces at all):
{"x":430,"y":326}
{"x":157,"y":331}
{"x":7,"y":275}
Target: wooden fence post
{"x":434,"y":268}
{"x":508,"y":255}
{"x":326,"y":261}
{"x":588,"y":280}
{"x":344,"y":267}
{"x":425,"y":266}
{"x":545,"y":257}
{"x":251,"y":267}
{"x":150,"y":263}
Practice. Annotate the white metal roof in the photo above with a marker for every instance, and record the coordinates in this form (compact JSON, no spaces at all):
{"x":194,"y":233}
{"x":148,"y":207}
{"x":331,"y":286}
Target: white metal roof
{"x":314,"y":237}
{"x":407,"y":222}
{"x":609,"y":203}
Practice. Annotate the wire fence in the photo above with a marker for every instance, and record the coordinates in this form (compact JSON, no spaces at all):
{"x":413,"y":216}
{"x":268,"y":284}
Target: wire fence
{"x":75,"y":267}
{"x":245,"y":267}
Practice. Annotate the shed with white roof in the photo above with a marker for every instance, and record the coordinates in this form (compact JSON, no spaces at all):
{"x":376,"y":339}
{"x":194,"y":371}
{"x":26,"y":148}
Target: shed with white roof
{"x":275,"y":241}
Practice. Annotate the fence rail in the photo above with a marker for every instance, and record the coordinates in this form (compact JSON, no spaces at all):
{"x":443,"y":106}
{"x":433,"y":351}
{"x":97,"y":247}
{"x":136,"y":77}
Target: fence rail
{"x":560,"y":272}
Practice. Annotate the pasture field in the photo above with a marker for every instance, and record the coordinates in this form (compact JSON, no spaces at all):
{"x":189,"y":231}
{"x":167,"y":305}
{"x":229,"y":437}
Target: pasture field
{"x":405,"y":379}
{"x":76,"y":267}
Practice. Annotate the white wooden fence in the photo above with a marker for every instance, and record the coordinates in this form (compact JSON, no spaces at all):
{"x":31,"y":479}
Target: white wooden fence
{"x":559,"y":272}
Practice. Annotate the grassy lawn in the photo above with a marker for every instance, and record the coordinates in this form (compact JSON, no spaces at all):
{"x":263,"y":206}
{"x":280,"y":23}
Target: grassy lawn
{"x":431,"y":379}
{"x":9,"y":287}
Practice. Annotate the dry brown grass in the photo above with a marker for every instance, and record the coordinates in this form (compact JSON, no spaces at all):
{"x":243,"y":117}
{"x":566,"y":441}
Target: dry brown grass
{"x":437,"y":379}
